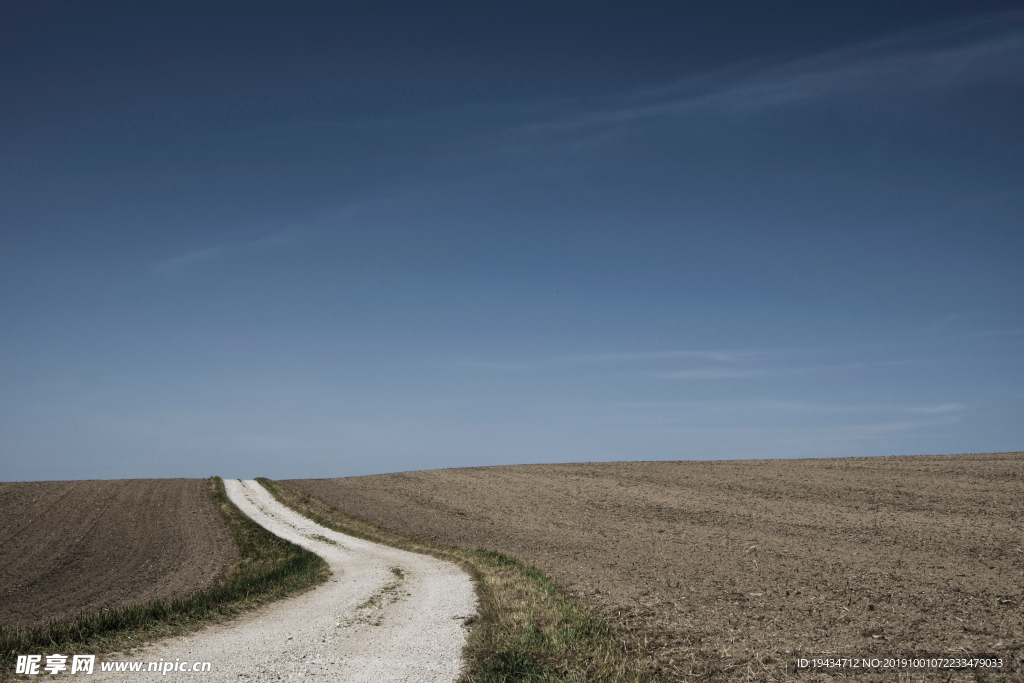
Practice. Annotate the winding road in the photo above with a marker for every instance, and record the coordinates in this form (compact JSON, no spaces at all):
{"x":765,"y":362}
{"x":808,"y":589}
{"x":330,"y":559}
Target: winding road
{"x":384,"y":615}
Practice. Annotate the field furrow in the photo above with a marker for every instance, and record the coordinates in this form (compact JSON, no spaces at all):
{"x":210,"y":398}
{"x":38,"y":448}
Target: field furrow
{"x":731,"y":568}
{"x":68,"y":547}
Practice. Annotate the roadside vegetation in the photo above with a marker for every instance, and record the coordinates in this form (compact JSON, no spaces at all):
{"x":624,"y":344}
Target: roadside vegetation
{"x":527,"y":628}
{"x":268,"y":568}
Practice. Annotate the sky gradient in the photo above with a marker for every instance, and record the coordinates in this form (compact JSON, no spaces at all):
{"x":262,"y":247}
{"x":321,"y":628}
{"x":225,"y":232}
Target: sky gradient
{"x":305,"y":240}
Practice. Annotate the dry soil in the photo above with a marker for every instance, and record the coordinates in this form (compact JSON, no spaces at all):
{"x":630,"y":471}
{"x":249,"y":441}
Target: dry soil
{"x":732,"y":568}
{"x":72,"y":546}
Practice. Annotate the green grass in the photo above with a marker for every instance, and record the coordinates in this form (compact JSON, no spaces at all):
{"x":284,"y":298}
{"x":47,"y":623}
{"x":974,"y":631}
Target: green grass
{"x":268,"y":568}
{"x":527,"y":628}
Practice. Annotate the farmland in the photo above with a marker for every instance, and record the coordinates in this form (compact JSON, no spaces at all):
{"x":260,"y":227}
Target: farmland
{"x":78,"y":546}
{"x":730,"y":568}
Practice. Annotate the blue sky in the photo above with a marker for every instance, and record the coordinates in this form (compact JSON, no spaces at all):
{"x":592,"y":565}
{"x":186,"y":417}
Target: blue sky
{"x":305,"y":240}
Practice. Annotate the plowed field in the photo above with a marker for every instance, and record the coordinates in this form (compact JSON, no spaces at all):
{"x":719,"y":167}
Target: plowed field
{"x":69,"y":546}
{"x":732,"y":567}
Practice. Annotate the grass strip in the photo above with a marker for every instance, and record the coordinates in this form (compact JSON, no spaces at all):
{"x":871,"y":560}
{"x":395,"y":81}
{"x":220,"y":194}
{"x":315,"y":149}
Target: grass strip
{"x":527,"y":628}
{"x":268,"y":568}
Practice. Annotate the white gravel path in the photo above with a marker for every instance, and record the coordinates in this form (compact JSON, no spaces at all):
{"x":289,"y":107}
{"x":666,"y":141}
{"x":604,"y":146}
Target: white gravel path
{"x":413,"y":630}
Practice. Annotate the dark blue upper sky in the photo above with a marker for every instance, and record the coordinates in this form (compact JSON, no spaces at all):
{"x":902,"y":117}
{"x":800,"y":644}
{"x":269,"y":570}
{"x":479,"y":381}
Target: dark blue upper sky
{"x":303,"y":239}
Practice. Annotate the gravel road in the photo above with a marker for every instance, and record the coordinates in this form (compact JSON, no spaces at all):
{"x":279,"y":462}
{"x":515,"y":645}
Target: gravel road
{"x":385,"y":615}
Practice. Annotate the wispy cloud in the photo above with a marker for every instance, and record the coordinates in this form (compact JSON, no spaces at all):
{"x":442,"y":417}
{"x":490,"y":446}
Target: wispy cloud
{"x":705,"y":408}
{"x":983,"y":49}
{"x":621,"y":358}
{"x":949,"y":56}
{"x":708,"y":374}
{"x":726,"y":373}
{"x":998,"y":333}
{"x":191,"y":258}
{"x":713,"y":364}
{"x":499,"y":366}
{"x":805,"y":407}
{"x":198,"y":257}
{"x":726,"y":356}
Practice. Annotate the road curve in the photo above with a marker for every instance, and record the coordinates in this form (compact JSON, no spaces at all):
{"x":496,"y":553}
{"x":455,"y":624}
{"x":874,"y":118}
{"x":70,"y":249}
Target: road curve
{"x":385,"y":615}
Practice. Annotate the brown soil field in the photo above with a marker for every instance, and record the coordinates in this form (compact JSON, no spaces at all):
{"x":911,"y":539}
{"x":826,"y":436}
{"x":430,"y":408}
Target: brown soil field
{"x":73,"y":546}
{"x":729,"y":569}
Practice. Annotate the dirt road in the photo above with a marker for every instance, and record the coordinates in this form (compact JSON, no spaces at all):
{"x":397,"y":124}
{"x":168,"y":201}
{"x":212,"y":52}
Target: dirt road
{"x":385,"y":615}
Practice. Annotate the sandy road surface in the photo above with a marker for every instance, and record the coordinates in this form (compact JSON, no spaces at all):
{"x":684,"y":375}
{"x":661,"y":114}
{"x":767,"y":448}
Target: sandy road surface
{"x":385,"y":615}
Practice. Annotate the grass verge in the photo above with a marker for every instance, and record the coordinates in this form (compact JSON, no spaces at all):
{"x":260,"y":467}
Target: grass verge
{"x":527,"y":628}
{"x":268,"y":568}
